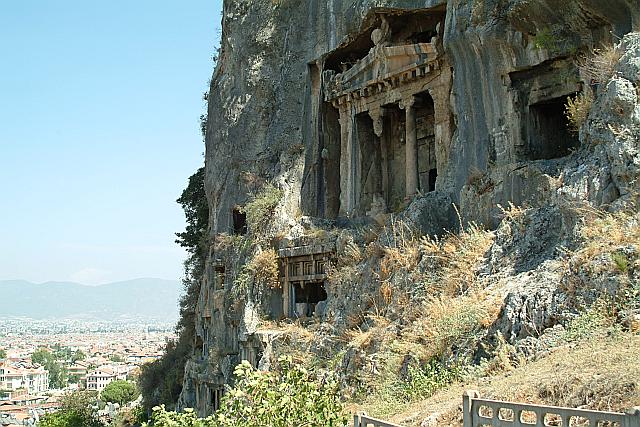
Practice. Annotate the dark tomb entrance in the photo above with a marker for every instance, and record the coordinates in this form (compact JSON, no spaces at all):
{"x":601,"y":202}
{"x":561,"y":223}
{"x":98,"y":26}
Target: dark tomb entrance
{"x":433,"y":176}
{"x":549,"y":133}
{"x":307,"y":297}
{"x":239,"y":222}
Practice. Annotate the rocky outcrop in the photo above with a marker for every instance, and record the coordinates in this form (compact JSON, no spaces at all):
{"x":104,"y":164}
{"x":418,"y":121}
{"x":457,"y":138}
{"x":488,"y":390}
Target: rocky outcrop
{"x":438,"y":113}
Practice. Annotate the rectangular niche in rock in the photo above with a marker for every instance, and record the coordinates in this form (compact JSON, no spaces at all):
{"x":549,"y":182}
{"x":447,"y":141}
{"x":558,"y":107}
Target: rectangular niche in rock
{"x":239,"y":222}
{"x":540,"y":95}
{"x":218,"y":277}
{"x":548,"y":130}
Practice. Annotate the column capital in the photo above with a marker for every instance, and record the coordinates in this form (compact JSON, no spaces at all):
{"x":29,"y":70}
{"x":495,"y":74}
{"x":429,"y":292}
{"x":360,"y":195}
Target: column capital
{"x":376,"y":117}
{"x":407,"y":103}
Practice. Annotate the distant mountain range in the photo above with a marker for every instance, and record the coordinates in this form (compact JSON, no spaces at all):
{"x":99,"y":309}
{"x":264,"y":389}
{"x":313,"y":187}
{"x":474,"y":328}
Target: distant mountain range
{"x":155,"y":299}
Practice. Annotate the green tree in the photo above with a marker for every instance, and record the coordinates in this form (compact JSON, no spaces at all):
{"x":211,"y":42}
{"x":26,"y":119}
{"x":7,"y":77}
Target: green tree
{"x":58,"y":374}
{"x":116,"y":358}
{"x":194,"y":239}
{"x":120,"y":391}
{"x":77,"y":410}
{"x":292,"y":396}
{"x":196,"y":210}
{"x":161,"y":381}
{"x":3,"y":354}
{"x":73,"y":379}
{"x":77,"y":356}
{"x":41,"y":356}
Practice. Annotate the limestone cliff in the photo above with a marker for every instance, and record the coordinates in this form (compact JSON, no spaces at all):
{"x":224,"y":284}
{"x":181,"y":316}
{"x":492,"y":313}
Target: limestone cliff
{"x":357,"y":113}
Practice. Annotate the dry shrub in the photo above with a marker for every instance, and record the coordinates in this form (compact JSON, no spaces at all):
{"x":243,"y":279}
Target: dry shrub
{"x":352,"y":255}
{"x":374,"y":250}
{"x":386,"y":291}
{"x":397,"y":258}
{"x":354,"y":320}
{"x":295,"y":330}
{"x":376,"y":333}
{"x":401,"y":251}
{"x":599,"y":66}
{"x":604,"y":233}
{"x":480,"y":181}
{"x":264,"y":266}
{"x":475,"y":176}
{"x":458,"y":256}
{"x":294,"y":340}
{"x":451,"y":323}
{"x":577,"y":110}
{"x":514,"y":215}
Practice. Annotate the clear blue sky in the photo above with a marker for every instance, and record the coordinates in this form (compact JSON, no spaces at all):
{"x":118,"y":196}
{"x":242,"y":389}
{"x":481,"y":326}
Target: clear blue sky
{"x":99,"y":131}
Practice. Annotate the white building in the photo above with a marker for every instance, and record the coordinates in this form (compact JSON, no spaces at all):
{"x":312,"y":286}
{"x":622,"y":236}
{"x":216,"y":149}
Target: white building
{"x":99,"y":378}
{"x":21,"y":374}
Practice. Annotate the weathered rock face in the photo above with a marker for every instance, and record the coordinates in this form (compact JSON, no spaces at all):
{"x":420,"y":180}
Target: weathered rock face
{"x":359,"y":109}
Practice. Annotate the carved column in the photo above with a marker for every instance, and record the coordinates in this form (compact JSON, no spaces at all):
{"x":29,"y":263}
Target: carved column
{"x":346,"y":160}
{"x":381,"y":155}
{"x":411,"y":147}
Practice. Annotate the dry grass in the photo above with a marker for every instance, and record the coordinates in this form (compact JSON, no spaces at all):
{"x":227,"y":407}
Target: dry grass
{"x":577,"y":110}
{"x":603,"y":235}
{"x":603,"y":231}
{"x":452,"y":323}
{"x":596,"y":375}
{"x":293,"y":340}
{"x":605,"y":260}
{"x":599,"y":66}
{"x":375,"y":334}
{"x":401,"y":250}
{"x":457,"y":256}
{"x":264,"y":266}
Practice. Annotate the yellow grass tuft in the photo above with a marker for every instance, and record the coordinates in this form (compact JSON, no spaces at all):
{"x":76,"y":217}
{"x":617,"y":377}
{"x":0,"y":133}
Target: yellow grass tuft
{"x":600,"y":64}
{"x":459,"y":256}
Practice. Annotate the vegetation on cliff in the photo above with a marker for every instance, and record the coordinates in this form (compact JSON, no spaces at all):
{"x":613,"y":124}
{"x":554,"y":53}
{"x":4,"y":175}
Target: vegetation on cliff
{"x":160,"y":382}
{"x":288,"y":396}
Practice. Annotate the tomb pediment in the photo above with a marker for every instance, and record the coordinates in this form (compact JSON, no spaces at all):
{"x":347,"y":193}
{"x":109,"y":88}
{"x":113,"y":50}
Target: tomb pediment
{"x":384,"y":67}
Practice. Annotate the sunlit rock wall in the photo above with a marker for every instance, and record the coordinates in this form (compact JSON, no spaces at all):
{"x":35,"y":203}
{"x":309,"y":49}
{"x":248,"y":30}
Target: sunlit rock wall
{"x":512,"y":66}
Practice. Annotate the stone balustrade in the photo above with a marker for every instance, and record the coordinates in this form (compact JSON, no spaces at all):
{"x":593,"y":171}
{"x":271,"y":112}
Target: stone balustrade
{"x":485,"y":412}
{"x":362,"y":420}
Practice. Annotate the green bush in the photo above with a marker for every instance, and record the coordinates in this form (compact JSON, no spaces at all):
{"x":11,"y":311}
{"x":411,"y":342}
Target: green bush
{"x":590,"y":321}
{"x":423,"y":381}
{"x":76,"y":411}
{"x":292,"y":396}
{"x":261,"y":207}
{"x":120,"y":391}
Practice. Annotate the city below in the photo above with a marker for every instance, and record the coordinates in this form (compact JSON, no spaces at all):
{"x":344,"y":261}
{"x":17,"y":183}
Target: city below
{"x":43,"y":360}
